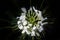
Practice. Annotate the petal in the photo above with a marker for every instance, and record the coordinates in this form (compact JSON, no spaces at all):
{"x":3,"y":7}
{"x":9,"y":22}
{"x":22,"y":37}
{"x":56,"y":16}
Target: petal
{"x":34,"y":28}
{"x":18,"y":22}
{"x":17,"y":17}
{"x":23,"y":31}
{"x":34,"y":9}
{"x":39,"y":13}
{"x":30,"y":8}
{"x":44,"y":23}
{"x":44,"y":18}
{"x":37,"y":34}
{"x":33,"y":33}
{"x":29,"y":24}
{"x":39,"y":22}
{"x":40,"y":29}
{"x":24,"y":22}
{"x":25,"y":28}
{"x":28,"y":32}
{"x":22,"y":17}
{"x":20,"y":26}
{"x":24,"y":10}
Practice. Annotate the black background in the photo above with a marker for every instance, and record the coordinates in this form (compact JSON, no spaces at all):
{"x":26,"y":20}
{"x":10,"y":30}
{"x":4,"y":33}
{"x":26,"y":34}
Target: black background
{"x":8,"y":9}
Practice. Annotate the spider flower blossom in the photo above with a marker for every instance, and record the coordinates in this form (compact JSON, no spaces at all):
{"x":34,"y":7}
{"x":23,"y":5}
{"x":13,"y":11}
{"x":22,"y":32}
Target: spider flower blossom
{"x":30,"y":22}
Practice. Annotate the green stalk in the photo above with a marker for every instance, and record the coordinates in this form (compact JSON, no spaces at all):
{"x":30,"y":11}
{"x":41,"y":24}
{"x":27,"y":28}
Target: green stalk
{"x":33,"y":38}
{"x":23,"y":36}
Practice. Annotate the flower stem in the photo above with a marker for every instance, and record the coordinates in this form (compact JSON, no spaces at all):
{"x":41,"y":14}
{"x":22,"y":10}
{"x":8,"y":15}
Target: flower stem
{"x":33,"y":38}
{"x":23,"y":36}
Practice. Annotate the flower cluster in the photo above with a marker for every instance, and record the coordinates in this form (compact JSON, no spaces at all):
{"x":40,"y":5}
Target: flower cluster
{"x":30,"y":22}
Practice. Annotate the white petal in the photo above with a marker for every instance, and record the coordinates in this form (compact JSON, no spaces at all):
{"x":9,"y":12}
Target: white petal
{"x":39,"y":13}
{"x":40,"y":22}
{"x":24,"y":22}
{"x":24,"y":10}
{"x":17,"y":17}
{"x":29,"y":24}
{"x":37,"y":34}
{"x":34,"y":9}
{"x":34,"y":27}
{"x":44,"y":23}
{"x":25,"y":28}
{"x":20,"y":26}
{"x":38,"y":25}
{"x":27,"y":32}
{"x":45,"y":18}
{"x":33,"y":33}
{"x":40,"y":29}
{"x":18,"y":22}
{"x":40,"y":16}
{"x":23,"y":31}
{"x":30,"y":8}
{"x":22,"y":17}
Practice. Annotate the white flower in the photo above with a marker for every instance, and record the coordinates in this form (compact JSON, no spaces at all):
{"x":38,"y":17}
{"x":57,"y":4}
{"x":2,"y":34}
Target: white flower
{"x":28,"y":25}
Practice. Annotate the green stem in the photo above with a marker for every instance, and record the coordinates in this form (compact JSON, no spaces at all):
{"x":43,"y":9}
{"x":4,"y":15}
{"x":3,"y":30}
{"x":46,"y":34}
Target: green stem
{"x":30,"y":2}
{"x":33,"y":38}
{"x":23,"y":36}
{"x":38,"y":37}
{"x":42,"y":4}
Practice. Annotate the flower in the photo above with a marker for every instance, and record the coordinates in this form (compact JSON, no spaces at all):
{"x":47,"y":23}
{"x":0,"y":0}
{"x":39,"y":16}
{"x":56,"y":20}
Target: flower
{"x":31,"y":21}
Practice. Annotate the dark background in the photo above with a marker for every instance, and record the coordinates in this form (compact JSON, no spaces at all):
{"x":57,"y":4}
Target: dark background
{"x":9,"y":9}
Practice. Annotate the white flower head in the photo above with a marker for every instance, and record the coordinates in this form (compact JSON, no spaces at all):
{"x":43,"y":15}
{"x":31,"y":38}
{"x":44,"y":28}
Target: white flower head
{"x":30,"y":21}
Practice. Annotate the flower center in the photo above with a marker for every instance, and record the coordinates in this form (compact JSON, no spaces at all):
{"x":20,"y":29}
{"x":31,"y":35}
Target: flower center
{"x":32,"y":18}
